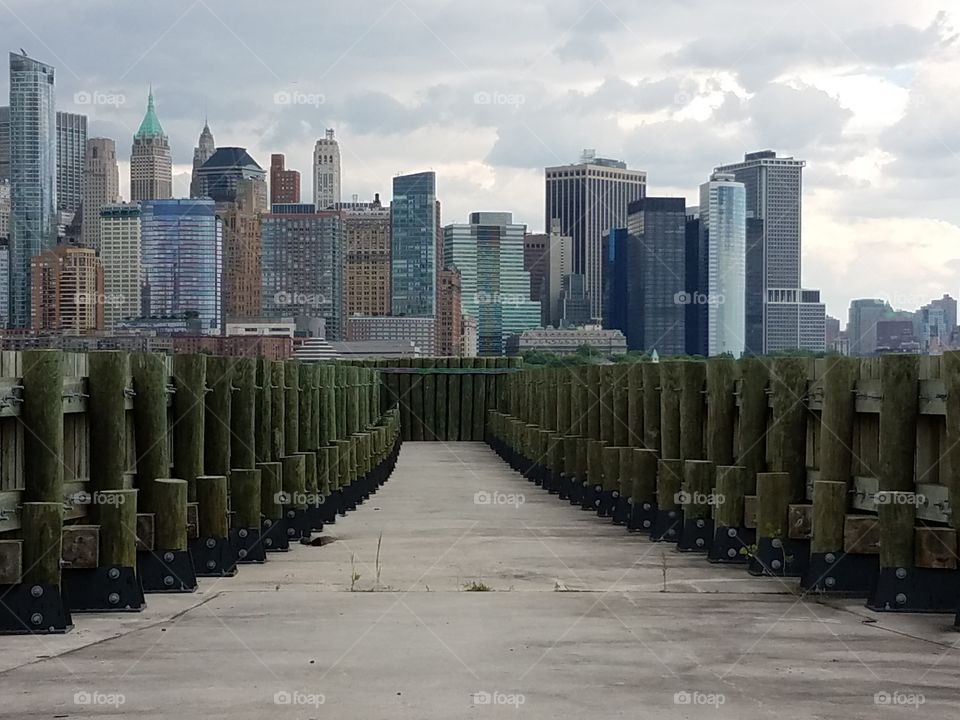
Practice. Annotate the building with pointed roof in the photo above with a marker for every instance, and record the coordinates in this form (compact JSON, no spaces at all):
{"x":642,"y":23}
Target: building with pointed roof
{"x":151,"y":169}
{"x":217,"y":178}
{"x":201,"y":153}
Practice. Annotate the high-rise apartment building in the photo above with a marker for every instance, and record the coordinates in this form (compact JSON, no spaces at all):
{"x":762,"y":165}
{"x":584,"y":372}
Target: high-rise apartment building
{"x":366,"y":234}
{"x":101,"y":186}
{"x":4,"y":142}
{"x":326,"y":172}
{"x":658,"y":258}
{"x":67,"y":289}
{"x":589,"y":198}
{"x":5,"y":209}
{"x":242,"y":248}
{"x":204,"y":150}
{"x":151,"y":169}
{"x":218,"y":177}
{"x":302,"y":265}
{"x":119,"y":235}
{"x":182,"y":261}
{"x":722,"y":264}
{"x":449,"y":326}
{"x":414,"y":226}
{"x":284,"y":184}
{"x":33,"y":176}
{"x":495,"y":289}
{"x":71,"y":150}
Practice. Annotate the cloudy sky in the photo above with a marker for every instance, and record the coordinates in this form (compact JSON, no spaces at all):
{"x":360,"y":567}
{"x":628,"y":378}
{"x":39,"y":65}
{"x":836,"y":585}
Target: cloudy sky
{"x":487,"y":94}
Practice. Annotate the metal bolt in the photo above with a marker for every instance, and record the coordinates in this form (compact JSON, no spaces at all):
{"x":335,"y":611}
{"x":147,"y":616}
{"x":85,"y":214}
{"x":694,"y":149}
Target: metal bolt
{"x":168,"y":557}
{"x":211,"y":543}
{"x":672,"y":514}
{"x":901,"y":573}
{"x":830,"y":582}
{"x":241,"y":553}
{"x":268,"y":542}
{"x":699,"y":542}
{"x":267,"y":523}
{"x":113,"y":598}
{"x":700,"y":523}
{"x":646,"y":506}
{"x":242,"y":532}
{"x":901,"y":599}
{"x":777,"y":543}
{"x":113,"y":573}
{"x":168,"y":580}
{"x":211,"y":564}
{"x":646,"y":523}
{"x":36,"y":618}
{"x":830,"y":558}
{"x":731,"y":532}
{"x":775,"y":564}
{"x":731,"y":553}
{"x":36,"y":591}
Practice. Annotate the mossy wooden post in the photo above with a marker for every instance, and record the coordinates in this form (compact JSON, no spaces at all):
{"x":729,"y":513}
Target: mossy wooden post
{"x":216,"y":451}
{"x":721,"y":409}
{"x":651,"y":406}
{"x":564,"y":400}
{"x":42,"y":416}
{"x":108,"y":375}
{"x":262,"y":409}
{"x":118,"y":528}
{"x":752,"y":427}
{"x":480,"y":397}
{"x":670,"y":408}
{"x":188,"y":425}
{"x":41,"y":526}
{"x":622,"y":435}
{"x":212,"y":506}
{"x":415,"y":400}
{"x":291,"y":407}
{"x":404,"y":384}
{"x":951,"y":380}
{"x":899,"y":381}
{"x":277,"y":410}
{"x":243,"y":414}
{"x":896,"y":515}
{"x":169,"y":514}
{"x":611,"y":468}
{"x":594,"y":394}
{"x":430,"y":400}
{"x":692,"y":376}
{"x":294,"y":480}
{"x":788,"y":434}
{"x":441,"y":383}
{"x":328,"y":405}
{"x":731,"y":488}
{"x":669,"y":483}
{"x":245,"y":500}
{"x":353,"y":399}
{"x":644,"y":475}
{"x":150,"y":432}
{"x":696,"y":489}
{"x":829,"y":511}
{"x":605,"y":398}
{"x":453,"y":400}
{"x":306,"y":427}
{"x":313,"y":436}
{"x":466,"y":399}
{"x":271,"y":489}
{"x":634,"y":391}
{"x":774,"y":494}
{"x":595,"y":462}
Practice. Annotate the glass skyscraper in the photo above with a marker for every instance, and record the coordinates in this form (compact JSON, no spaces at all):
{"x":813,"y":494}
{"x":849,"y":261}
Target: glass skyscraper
{"x":414,"y":245}
{"x":495,"y":289}
{"x":71,"y":147}
{"x":182,"y":261}
{"x":33,"y":175}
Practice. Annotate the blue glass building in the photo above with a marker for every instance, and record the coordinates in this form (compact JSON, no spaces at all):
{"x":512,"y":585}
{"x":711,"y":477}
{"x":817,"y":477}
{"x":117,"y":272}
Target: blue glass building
{"x":414,"y":232}
{"x":182,"y":261}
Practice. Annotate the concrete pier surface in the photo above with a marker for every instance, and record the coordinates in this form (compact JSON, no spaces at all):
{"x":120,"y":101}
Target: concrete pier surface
{"x":489,"y":599}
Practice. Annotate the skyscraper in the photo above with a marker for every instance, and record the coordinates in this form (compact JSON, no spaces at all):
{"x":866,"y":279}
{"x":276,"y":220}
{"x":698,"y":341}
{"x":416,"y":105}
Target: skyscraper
{"x":590,"y":198}
{"x":774,"y":190}
{"x":284,"y":184}
{"x":366,"y":283}
{"x":723,"y":244}
{"x":182,"y":260}
{"x":495,"y":289}
{"x":242,"y":247}
{"x":119,"y":235}
{"x":218,"y":177}
{"x":326,"y":172}
{"x":657,"y":256}
{"x":4,"y":142}
{"x":101,"y":186}
{"x":302,"y":266}
{"x":67,"y":289}
{"x":71,"y":148}
{"x":5,"y":209}
{"x":413,"y":214}
{"x":151,"y":169}
{"x":548,"y":257}
{"x":33,"y":175}
{"x":201,"y":153}
{"x":449,"y":328}
{"x":864,"y":314}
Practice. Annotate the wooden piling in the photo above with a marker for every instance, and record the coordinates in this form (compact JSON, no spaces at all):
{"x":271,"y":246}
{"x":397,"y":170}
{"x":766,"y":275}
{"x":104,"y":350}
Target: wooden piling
{"x":441,"y":383}
{"x":721,"y":409}
{"x":592,"y":407}
{"x":271,"y":489}
{"x":899,"y":378}
{"x":635,"y":427}
{"x":216,"y":451}
{"x":697,"y":488}
{"x":466,"y":399}
{"x":212,"y":506}
{"x":837,"y":419}
{"x":291,"y":407}
{"x":651,"y":406}
{"x":188,"y":426}
{"x":117,"y":518}
{"x":606,"y":402}
{"x":245,"y":500}
{"x":774,"y":494}
{"x":692,"y":376}
{"x":243,"y":414}
{"x":480,"y":397}
{"x":107,"y":383}
{"x":752,"y":427}
{"x":169,"y":514}
{"x":951,"y":381}
{"x":277,"y":410}
{"x":307,"y":438}
{"x":731,"y":485}
{"x":262,"y":410}
{"x":453,"y":400}
{"x":787,"y":437}
{"x":670,"y":408}
{"x":829,"y":511}
{"x":150,"y":428}
{"x":669,"y":483}
{"x":644,"y":475}
{"x":896,"y":513}
{"x":294,"y":479}
{"x":430,"y":400}
{"x":41,"y":526}
{"x":42,"y":416}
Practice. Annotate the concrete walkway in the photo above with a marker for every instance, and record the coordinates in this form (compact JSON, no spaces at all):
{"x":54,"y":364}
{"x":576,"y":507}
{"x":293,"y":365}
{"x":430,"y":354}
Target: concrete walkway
{"x":582,"y":620}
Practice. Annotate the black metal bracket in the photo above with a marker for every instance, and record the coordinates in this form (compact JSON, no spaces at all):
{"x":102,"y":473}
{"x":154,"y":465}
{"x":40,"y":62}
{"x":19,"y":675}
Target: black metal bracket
{"x":621,"y":510}
{"x":642,"y":515}
{"x":667,"y":526}
{"x":273,"y":535}
{"x":102,"y":589}
{"x":605,"y":501}
{"x":296,"y":523}
{"x":27,"y":609}
{"x":696,"y":535}
{"x":777,"y":557}
{"x":731,"y":545}
{"x":247,"y":545}
{"x":213,"y":557}
{"x":914,"y":589}
{"x":166,"y":571}
{"x":590,"y":500}
{"x":316,"y":514}
{"x":841,"y":574}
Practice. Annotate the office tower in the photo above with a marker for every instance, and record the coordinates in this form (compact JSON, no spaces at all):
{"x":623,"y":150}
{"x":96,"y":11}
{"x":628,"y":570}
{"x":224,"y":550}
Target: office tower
{"x":217,"y":178}
{"x":242,"y":248}
{"x":755,"y":289}
{"x":832,"y":334}
{"x":201,"y":153}
{"x":33,"y":176}
{"x":4,"y":142}
{"x":5,"y":209}
{"x":71,"y":149}
{"x":284,"y":184}
{"x":326,"y":172}
{"x":722,"y":264}
{"x":575,"y":301}
{"x":949,"y":308}
{"x":897,"y":336}
{"x":366,"y":232}
{"x":119,"y":236}
{"x":695,"y":317}
{"x":536,"y":252}
{"x":302,"y":265}
{"x":657,"y":313}
{"x":101,"y":186}
{"x":495,"y":289}
{"x":589,"y":198}
{"x":774,"y":188}
{"x":67,"y":289}
{"x":151,"y":169}
{"x":414,"y":227}
{"x":618,"y":283}
{"x":862,"y":319}
{"x":449,"y":314}
{"x":548,"y":257}
{"x":182,"y":261}
{"x":4,"y":282}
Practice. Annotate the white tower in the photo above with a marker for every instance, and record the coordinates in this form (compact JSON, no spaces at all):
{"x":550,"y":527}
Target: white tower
{"x":326,"y":172}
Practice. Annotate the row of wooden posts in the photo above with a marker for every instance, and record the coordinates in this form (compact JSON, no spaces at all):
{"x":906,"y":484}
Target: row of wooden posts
{"x":196,"y":464}
{"x":759,"y":462}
